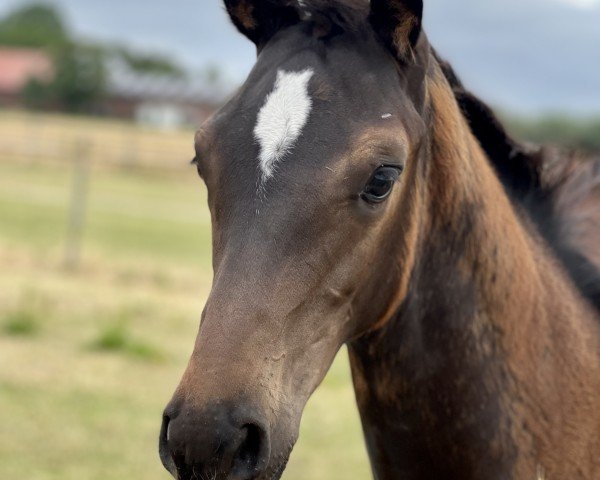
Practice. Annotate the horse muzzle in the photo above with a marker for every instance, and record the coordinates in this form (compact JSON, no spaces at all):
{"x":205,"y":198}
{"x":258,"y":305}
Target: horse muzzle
{"x":219,"y":442}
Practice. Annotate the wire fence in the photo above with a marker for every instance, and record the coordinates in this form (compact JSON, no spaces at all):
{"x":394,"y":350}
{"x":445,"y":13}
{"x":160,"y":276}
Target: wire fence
{"x":83,"y":146}
{"x":35,"y":137}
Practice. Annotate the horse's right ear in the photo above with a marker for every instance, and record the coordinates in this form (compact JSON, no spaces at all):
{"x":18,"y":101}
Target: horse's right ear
{"x":398,"y":23}
{"x":259,"y":20}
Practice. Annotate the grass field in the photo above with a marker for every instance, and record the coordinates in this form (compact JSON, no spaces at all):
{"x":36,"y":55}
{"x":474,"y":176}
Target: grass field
{"x":89,"y":357}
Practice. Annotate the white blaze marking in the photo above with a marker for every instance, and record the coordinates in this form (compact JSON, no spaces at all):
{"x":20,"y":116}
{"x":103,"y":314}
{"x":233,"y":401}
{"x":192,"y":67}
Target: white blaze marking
{"x":282,"y":118}
{"x":386,"y":116}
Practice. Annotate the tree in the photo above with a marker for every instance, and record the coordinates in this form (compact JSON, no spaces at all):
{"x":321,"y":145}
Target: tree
{"x":80,"y":78}
{"x":150,"y":63}
{"x":35,"y":25}
{"x":36,"y":94}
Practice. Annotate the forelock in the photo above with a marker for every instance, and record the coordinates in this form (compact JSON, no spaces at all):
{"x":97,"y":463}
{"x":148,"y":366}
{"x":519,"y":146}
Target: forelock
{"x":347,"y":15}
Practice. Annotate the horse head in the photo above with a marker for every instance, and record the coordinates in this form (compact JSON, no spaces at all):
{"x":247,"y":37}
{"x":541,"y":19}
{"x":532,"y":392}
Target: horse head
{"x":310,"y":173}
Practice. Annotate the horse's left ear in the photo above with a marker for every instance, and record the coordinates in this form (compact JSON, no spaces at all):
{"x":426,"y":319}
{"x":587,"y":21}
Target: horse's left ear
{"x":259,"y":20}
{"x":398,"y":23}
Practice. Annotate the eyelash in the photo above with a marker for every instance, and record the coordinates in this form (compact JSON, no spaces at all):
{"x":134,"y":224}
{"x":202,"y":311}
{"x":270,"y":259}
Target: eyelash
{"x":196,"y":163}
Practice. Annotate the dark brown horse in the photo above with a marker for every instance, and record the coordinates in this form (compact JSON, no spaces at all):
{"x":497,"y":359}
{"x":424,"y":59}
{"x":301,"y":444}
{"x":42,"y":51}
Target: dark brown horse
{"x":361,"y":196}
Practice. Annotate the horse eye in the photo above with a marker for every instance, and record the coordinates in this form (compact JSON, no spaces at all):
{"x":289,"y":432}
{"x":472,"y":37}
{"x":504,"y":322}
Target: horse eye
{"x":381,"y":184}
{"x":196,"y":163}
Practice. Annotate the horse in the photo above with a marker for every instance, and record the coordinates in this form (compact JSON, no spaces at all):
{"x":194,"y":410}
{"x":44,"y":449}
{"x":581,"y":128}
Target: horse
{"x":361,"y":196}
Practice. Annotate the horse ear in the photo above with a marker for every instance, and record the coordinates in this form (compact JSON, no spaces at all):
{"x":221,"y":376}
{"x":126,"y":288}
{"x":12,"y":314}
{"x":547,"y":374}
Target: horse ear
{"x":259,"y":20}
{"x":398,"y":23}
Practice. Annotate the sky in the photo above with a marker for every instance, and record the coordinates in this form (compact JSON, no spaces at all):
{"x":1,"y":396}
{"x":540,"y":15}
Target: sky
{"x":524,"y":56}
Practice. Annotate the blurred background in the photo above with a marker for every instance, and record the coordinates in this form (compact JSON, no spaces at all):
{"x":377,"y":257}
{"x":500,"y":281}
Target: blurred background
{"x":104,"y":233}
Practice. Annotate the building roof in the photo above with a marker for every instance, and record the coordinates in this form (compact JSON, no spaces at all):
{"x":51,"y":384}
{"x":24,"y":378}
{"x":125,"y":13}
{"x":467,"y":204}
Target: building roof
{"x":19,"y":65}
{"x":126,"y":83}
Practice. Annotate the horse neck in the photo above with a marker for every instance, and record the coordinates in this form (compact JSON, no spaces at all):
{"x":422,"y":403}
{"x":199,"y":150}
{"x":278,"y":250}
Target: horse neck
{"x":447,"y":387}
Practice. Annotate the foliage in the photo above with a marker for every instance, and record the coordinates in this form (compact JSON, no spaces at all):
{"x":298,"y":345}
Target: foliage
{"x":582,"y":133}
{"x":80,"y":78}
{"x":150,"y":63}
{"x":36,"y":25}
{"x":78,"y":84}
{"x":80,"y":70}
{"x":36,"y":94}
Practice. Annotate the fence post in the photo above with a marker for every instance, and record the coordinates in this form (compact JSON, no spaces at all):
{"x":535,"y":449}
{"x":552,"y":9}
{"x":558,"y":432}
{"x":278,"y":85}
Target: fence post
{"x":130,"y":146}
{"x":78,"y":203}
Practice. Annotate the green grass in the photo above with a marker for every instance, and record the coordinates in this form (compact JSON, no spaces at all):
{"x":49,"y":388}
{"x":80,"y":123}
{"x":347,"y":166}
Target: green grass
{"x":90,"y":357}
{"x":25,"y":318}
{"x":21,"y":322}
{"x":116,"y":338}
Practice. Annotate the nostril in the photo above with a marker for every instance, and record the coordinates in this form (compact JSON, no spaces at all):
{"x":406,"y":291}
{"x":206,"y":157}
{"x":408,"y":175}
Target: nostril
{"x":163,"y":446}
{"x":172,"y":456}
{"x":214,"y":441}
{"x":163,"y":440}
{"x":250,"y":447}
{"x":253,"y":453}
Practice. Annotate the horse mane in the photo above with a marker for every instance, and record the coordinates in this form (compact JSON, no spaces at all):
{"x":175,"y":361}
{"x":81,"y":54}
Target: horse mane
{"x":559,"y":191}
